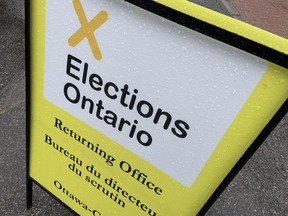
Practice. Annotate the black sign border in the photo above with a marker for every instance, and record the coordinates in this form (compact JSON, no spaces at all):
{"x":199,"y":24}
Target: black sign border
{"x":194,"y":24}
{"x":29,"y":179}
{"x":215,"y":32}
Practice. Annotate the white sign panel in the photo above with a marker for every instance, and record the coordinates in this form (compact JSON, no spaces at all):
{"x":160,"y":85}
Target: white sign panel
{"x":165,"y":92}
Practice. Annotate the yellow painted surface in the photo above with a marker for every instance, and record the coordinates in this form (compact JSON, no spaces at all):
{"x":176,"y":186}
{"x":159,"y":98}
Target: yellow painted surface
{"x":230,"y":24}
{"x":50,"y":166}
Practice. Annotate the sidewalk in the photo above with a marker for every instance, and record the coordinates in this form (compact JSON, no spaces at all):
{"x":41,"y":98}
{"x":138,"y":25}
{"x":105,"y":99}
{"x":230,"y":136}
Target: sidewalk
{"x":269,"y":15}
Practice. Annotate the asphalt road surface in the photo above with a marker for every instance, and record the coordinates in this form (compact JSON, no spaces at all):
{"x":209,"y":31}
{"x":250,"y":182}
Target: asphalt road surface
{"x":259,"y":189}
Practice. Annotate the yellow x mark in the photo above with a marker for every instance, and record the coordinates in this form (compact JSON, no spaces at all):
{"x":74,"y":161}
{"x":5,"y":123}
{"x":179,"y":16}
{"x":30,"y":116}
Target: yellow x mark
{"x":87,"y":29}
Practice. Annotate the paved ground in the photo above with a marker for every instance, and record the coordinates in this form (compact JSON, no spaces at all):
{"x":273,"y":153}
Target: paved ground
{"x":259,"y":189}
{"x":270,"y":15}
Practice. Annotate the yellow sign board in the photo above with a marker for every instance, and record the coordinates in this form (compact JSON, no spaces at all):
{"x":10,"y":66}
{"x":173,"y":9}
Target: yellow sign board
{"x":132,"y":114}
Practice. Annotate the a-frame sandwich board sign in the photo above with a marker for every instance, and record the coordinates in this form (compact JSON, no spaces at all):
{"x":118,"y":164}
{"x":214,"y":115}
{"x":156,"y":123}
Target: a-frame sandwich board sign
{"x":139,"y":108}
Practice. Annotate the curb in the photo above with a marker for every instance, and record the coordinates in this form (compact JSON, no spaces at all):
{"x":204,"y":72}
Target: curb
{"x":231,"y":9}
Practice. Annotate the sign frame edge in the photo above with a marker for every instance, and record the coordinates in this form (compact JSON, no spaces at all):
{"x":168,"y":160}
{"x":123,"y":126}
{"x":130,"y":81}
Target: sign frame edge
{"x":216,"y":32}
{"x":29,"y":180}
